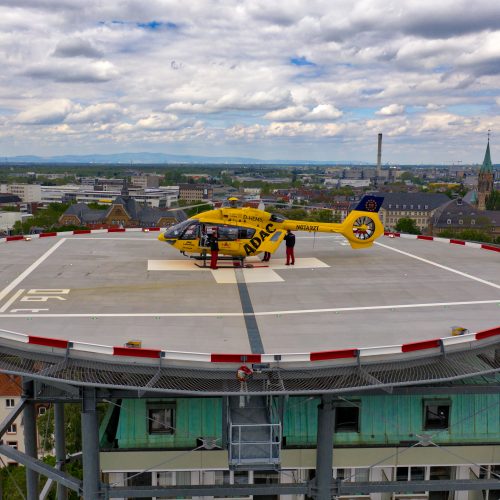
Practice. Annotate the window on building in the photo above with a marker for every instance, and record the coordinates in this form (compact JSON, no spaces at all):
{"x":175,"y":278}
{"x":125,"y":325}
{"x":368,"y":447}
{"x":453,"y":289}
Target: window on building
{"x":10,"y":403}
{"x":402,"y":473}
{"x":448,"y":221}
{"x":436,"y":414}
{"x":440,"y":473}
{"x":473,"y":222}
{"x":417,"y":473}
{"x":223,"y":477}
{"x":240,"y":477}
{"x":12,"y":444}
{"x":347,"y":417}
{"x":12,"y":429}
{"x":161,"y":418}
{"x":139,"y":478}
{"x":165,"y":478}
{"x":42,"y":410}
{"x":426,"y":207}
{"x":460,"y":221}
{"x":340,"y":475}
{"x":362,"y":474}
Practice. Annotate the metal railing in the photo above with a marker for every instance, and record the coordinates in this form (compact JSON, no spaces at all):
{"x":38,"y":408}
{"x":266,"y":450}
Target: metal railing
{"x":244,"y":449}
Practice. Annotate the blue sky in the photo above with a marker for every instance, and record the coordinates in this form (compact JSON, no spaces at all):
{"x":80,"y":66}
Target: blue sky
{"x":294,"y":79}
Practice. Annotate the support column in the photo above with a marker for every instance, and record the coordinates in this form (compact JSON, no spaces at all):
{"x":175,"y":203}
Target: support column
{"x":60,"y":442}
{"x":90,"y":446}
{"x":30,"y":439}
{"x":324,"y":448}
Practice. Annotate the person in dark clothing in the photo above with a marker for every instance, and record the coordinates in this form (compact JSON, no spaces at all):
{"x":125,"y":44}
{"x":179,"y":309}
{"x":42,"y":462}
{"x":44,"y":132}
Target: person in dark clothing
{"x":214,"y":250}
{"x":267,"y":257}
{"x":290,"y":243}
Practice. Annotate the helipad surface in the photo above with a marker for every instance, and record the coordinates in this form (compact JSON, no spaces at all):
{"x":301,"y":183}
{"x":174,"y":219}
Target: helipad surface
{"x":114,"y":287}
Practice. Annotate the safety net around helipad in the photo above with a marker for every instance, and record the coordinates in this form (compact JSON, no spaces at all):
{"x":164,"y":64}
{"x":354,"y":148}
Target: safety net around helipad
{"x":479,"y":366}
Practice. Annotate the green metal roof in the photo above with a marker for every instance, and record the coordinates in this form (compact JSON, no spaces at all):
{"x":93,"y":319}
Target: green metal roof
{"x":487,"y":166}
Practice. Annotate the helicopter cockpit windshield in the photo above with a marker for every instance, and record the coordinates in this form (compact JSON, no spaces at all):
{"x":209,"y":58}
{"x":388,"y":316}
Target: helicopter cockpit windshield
{"x":177,"y":231}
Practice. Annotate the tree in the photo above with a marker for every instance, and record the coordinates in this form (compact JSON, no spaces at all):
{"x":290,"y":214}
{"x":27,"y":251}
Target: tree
{"x":493,"y":200}
{"x":407,"y":225}
{"x":13,"y":479}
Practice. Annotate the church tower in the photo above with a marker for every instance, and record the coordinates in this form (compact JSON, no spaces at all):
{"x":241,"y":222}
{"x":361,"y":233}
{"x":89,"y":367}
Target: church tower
{"x":125,"y":193}
{"x":485,"y":179}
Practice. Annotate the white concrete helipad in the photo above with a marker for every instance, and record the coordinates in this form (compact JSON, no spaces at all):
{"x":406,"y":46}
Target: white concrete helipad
{"x":110,"y":288}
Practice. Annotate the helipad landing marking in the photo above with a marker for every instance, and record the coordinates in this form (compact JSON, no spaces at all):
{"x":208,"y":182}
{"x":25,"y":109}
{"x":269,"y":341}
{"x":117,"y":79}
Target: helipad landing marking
{"x":240,"y":314}
{"x":228,"y":276}
{"x":446,"y":268}
{"x":30,"y":269}
{"x":12,"y":300}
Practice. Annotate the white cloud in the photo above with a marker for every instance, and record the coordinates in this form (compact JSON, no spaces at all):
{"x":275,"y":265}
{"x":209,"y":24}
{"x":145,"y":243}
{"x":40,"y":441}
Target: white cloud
{"x":391,"y":109}
{"x":90,"y":74}
{"x":76,"y":47}
{"x":291,"y":113}
{"x":322,"y":112}
{"x":46,"y":113}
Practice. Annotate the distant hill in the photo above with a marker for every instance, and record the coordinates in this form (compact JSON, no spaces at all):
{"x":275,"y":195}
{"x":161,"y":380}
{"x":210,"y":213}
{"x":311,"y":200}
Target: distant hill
{"x":163,"y":158}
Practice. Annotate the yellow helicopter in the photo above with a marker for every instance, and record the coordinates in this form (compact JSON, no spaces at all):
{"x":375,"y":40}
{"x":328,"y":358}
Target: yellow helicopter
{"x":244,"y":231}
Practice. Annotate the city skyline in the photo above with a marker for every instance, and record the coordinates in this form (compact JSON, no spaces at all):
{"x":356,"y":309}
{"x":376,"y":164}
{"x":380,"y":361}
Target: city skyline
{"x":290,"y":80}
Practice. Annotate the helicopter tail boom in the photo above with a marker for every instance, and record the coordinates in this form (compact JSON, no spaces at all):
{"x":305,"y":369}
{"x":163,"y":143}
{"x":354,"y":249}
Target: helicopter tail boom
{"x":361,"y":227}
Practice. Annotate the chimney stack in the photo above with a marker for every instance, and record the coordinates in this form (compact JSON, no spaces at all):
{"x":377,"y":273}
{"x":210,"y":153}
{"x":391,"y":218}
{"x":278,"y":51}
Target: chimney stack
{"x":379,"y":154}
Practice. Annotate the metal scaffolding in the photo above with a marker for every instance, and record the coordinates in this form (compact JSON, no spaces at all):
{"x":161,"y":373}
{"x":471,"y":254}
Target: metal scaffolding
{"x":48,"y":378}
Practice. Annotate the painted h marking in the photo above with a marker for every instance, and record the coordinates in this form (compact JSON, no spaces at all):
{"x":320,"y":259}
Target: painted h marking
{"x":30,"y":269}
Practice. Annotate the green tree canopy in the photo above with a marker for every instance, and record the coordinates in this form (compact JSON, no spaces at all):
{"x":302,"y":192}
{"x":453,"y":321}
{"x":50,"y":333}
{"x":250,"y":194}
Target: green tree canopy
{"x":407,"y":225}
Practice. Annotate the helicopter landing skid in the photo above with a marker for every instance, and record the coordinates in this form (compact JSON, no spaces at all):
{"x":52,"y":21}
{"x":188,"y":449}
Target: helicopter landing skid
{"x":235,"y":264}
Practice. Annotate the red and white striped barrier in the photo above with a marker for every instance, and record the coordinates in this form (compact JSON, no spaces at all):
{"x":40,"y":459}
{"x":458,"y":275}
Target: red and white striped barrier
{"x":331,"y":357}
{"x":76,"y":232}
{"x":451,"y":241}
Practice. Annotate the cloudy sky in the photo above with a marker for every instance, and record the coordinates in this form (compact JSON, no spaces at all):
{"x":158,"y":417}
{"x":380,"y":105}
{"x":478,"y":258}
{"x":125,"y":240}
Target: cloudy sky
{"x":291,"y":79}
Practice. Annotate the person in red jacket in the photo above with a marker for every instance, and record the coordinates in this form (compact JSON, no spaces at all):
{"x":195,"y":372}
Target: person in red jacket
{"x":214,"y":250}
{"x":290,"y":243}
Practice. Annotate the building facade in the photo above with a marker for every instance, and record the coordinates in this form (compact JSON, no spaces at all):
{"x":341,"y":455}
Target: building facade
{"x":458,"y":215}
{"x":10,"y":394}
{"x":377,"y":438}
{"x":123,"y":212}
{"x":420,"y":207}
{"x":195,"y":192}
{"x":27,"y":192}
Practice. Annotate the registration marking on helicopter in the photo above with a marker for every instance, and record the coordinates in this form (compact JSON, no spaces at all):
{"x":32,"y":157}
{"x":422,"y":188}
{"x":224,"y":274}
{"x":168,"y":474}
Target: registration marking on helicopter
{"x":256,"y":274}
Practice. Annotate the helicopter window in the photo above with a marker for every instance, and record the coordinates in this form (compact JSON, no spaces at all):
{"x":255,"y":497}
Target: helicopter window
{"x":277,"y":218}
{"x":245,"y":233}
{"x":178,"y":229}
{"x":191,"y":232}
{"x":228,"y":233}
{"x":275,"y":236}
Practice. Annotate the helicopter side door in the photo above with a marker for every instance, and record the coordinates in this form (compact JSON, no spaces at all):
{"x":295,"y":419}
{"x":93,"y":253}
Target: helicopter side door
{"x":228,"y":239}
{"x":189,"y":240}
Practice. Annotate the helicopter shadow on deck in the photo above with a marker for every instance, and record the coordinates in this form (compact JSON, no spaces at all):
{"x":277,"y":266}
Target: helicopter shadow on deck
{"x":261,"y":273}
